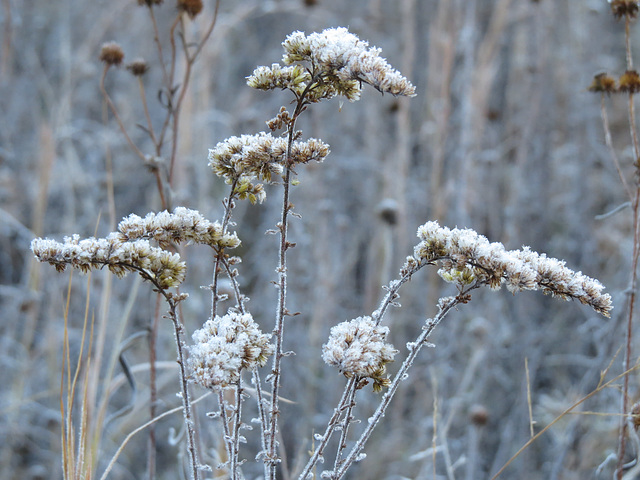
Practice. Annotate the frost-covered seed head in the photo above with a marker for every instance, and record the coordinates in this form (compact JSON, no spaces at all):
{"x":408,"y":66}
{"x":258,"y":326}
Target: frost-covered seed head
{"x":226,"y":345}
{"x":466,"y":257}
{"x":181,"y":226}
{"x":242,"y":159}
{"x":165,"y":268}
{"x":336,"y":62}
{"x":358,"y":347}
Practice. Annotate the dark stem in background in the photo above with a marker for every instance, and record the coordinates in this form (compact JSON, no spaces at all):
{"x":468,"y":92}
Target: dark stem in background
{"x":634,"y":264}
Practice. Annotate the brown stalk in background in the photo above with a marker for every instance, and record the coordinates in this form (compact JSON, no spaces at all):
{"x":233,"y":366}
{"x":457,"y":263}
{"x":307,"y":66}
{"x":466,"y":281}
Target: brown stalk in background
{"x":163,"y":175}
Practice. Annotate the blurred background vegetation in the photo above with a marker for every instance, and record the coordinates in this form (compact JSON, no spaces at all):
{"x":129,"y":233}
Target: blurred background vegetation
{"x":503,"y":137}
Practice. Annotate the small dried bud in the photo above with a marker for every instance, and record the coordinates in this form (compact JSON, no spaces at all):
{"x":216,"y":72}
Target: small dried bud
{"x":479,"y":415}
{"x":388,"y":211}
{"x":624,"y":8}
{"x":603,"y":83}
{"x":111,"y":53}
{"x":149,"y":3}
{"x":635,"y":416}
{"x":138,"y":67}
{"x":190,"y":7}
{"x":630,"y":82}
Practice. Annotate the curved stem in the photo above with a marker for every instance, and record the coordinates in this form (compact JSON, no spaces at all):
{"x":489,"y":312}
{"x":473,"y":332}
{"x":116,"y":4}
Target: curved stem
{"x":228,"y":207}
{"x":444,"y":308}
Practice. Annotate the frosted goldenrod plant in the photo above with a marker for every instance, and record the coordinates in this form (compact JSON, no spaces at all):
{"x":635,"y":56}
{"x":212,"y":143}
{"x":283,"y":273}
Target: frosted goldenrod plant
{"x":230,"y":347}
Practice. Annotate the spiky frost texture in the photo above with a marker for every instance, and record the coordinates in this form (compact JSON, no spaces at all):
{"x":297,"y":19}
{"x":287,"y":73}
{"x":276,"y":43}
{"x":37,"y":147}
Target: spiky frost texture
{"x":358,"y":348}
{"x":181,"y":226}
{"x":466,"y":257}
{"x":225,"y":346}
{"x":164,"y":267}
{"x":336,"y":62}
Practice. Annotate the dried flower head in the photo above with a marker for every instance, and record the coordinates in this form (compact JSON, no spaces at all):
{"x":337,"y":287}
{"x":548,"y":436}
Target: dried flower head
{"x":629,"y":82}
{"x":358,"y":347}
{"x":190,"y":7}
{"x":466,"y":258}
{"x":226,"y":345}
{"x":162,"y":267}
{"x":635,"y":416}
{"x":111,"y":53}
{"x":181,"y":226}
{"x":138,"y":67}
{"x":603,"y":83}
{"x":624,"y":8}
{"x":336,"y":62}
{"x":479,"y":415}
{"x":242,"y":159}
{"x":280,"y":121}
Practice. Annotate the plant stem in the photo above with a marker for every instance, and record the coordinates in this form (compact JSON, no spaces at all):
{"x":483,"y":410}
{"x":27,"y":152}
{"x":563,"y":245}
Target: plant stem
{"x":186,"y":403}
{"x":271,"y":460}
{"x":634,"y":264}
{"x":421,"y":341}
{"x":347,"y":395}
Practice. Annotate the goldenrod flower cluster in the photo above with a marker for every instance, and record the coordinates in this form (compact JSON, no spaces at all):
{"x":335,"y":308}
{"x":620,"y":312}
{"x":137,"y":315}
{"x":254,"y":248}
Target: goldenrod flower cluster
{"x":130,"y":250}
{"x":225,"y":346}
{"x":358,"y":348}
{"x":466,"y":257}
{"x":163,"y":267}
{"x":182,"y":226}
{"x":242,"y":159}
{"x":333,"y":62}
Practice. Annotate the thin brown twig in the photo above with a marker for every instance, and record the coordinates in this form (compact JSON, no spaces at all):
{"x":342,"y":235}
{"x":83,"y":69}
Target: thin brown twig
{"x":608,"y":141}
{"x":190,"y":60}
{"x":601,"y":386}
{"x":133,"y":146}
{"x":634,"y":262}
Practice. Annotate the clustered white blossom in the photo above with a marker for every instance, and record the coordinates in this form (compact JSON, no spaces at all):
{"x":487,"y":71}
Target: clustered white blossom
{"x":226,"y":345}
{"x":339,"y":62}
{"x":466,"y":257}
{"x":164,"y":267}
{"x":358,"y":348}
{"x":183,"y":225}
{"x":129,"y":250}
{"x":244,"y":158}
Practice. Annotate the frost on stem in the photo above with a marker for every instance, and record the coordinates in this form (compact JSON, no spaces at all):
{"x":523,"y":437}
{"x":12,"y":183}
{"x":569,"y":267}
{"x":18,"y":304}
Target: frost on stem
{"x":333,"y":62}
{"x":165,"y":268}
{"x":358,"y":347}
{"x":466,"y":257}
{"x":240,"y":160}
{"x":226,"y":345}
